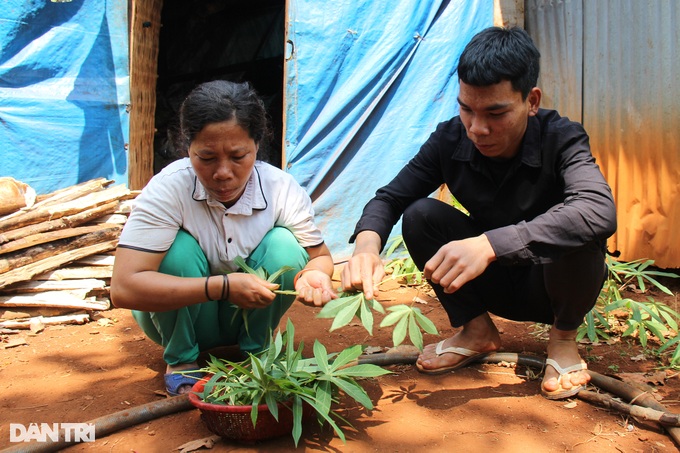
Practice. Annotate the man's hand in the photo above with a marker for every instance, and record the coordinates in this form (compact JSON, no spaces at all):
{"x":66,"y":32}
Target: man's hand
{"x":365,"y":270}
{"x":459,"y":262}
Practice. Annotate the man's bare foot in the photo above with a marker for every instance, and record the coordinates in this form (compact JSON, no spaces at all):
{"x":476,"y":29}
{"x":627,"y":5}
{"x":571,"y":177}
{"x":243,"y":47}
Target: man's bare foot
{"x":479,"y":336}
{"x":177,"y":381}
{"x":562,"y":349}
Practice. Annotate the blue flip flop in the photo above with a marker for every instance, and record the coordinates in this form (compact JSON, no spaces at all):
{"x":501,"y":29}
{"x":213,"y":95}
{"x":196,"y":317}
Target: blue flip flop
{"x":173,"y":381}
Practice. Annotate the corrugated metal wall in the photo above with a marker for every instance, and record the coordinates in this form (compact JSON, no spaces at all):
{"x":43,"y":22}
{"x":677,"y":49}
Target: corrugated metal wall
{"x":612,"y":64}
{"x":557,"y":29}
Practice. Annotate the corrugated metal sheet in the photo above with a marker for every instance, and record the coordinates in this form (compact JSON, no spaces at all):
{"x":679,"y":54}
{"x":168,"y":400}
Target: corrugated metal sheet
{"x":631,"y":107}
{"x":557,"y":29}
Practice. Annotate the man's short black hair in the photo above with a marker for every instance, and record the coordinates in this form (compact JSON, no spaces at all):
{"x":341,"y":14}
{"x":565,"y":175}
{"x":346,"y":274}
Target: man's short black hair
{"x":496,"y":54}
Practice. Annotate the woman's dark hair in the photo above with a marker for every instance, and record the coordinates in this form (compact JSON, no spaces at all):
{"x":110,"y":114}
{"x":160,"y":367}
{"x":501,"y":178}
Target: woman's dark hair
{"x":496,"y":54}
{"x":221,"y":100}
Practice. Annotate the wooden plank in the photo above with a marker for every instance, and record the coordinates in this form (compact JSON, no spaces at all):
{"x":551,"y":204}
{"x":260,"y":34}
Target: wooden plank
{"x":96,"y":260}
{"x":53,"y":320}
{"x":49,"y":264}
{"x":24,"y":313}
{"x":36,"y":286}
{"x":72,"y":207}
{"x":63,"y":195}
{"x":112,"y":218}
{"x":67,"y":273}
{"x":16,"y":260}
{"x":58,"y":224}
{"x":55,"y":299}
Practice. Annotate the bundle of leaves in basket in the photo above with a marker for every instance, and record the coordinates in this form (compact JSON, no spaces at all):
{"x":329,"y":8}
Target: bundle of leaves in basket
{"x":280,"y":374}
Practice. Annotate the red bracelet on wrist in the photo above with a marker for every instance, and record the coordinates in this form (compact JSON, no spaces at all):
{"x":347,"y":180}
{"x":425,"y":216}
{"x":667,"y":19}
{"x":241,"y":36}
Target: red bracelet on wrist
{"x":297,"y":276}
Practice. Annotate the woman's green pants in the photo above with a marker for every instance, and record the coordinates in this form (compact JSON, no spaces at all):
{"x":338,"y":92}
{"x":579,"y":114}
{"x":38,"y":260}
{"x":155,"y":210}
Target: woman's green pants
{"x":185,"y":332}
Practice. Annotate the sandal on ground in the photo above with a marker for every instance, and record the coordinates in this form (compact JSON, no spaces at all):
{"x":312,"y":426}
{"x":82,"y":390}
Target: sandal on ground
{"x":470,"y":356}
{"x":561,"y":393}
{"x":173,"y":381}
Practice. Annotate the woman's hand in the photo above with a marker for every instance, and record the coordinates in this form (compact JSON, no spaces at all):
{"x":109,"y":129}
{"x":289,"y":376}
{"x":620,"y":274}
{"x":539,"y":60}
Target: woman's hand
{"x":250,"y":291}
{"x":314,"y":287}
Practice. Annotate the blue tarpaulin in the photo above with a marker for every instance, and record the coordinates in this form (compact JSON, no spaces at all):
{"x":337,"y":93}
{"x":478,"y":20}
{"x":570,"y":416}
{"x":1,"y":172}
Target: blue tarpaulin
{"x":64,"y":90}
{"x":367,"y":82}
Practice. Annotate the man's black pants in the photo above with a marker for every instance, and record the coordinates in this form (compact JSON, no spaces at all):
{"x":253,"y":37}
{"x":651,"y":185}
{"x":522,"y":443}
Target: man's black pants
{"x":559,"y":293}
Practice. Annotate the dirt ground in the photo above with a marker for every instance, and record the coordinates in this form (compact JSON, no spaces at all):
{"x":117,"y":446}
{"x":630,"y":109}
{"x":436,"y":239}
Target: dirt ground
{"x":78,"y":373}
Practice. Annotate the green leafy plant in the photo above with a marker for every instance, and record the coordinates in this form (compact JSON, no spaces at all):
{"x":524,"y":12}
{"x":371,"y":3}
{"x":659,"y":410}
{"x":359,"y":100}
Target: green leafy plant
{"x":400,"y":265}
{"x":281,"y":374}
{"x":347,"y":306}
{"x":262,"y":273}
{"x":350,"y":305}
{"x":408,"y":319}
{"x":612,"y":311}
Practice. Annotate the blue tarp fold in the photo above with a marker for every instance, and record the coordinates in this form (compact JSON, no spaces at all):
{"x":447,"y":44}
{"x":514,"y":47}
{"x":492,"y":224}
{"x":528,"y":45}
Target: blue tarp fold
{"x":64,"y":91}
{"x":367,"y":82}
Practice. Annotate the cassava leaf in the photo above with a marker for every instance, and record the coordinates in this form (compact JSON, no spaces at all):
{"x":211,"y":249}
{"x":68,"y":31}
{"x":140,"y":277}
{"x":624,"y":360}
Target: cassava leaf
{"x":272,"y":278}
{"x":244,"y":317}
{"x":325,"y":416}
{"x":414,"y":332}
{"x":355,"y":391}
{"x":675,"y":359}
{"x":362,"y":370}
{"x":425,"y":323}
{"x":366,"y":316}
{"x":393,"y":318}
{"x":240,"y":262}
{"x":272,"y":405}
{"x":399,"y":332}
{"x":332,"y":308}
{"x":669,"y":343}
{"x":297,"y":419}
{"x":346,"y":356}
{"x":321,"y":356}
{"x":375,"y":305}
{"x":324,"y":397}
{"x":345,"y":315}
{"x":396,"y":242}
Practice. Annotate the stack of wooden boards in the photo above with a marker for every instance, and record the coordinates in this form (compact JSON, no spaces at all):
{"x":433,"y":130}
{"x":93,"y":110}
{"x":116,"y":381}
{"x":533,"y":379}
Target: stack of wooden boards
{"x":56,"y":256}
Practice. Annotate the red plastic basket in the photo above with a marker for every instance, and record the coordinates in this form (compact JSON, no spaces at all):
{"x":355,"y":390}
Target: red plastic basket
{"x":234,"y":422}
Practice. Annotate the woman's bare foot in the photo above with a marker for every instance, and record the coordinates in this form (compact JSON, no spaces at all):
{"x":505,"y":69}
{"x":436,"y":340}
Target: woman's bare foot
{"x":562,"y":348}
{"x":478,"y":336}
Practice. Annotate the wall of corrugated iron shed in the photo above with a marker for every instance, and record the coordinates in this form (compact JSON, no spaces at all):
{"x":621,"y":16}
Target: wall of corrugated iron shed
{"x":630,"y":106}
{"x":557,"y":29}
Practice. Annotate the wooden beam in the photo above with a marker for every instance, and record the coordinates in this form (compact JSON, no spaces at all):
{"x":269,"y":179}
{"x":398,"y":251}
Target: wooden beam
{"x":47,"y":213}
{"x":55,"y":299}
{"x":44,"y":251}
{"x":27,"y":272}
{"x":508,"y":13}
{"x":145,"y":26}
